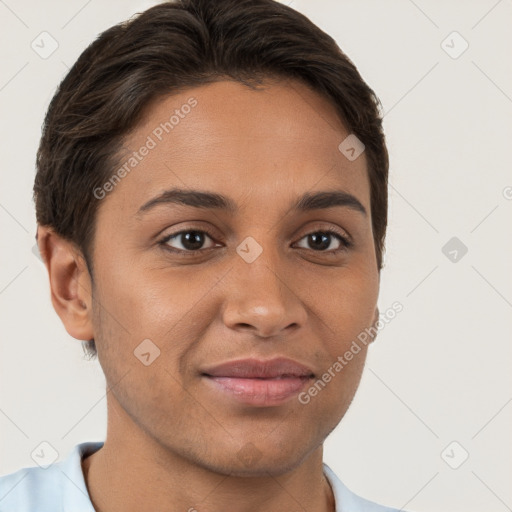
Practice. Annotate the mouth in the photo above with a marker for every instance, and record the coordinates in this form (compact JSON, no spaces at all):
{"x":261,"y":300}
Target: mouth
{"x":259,"y":383}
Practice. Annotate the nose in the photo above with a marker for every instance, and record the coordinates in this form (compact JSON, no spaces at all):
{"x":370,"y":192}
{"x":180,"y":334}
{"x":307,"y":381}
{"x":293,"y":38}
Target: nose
{"x":261,"y":300}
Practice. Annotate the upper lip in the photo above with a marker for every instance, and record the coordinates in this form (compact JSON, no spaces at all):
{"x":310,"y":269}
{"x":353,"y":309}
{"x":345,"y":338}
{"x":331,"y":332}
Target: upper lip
{"x":255,"y":368}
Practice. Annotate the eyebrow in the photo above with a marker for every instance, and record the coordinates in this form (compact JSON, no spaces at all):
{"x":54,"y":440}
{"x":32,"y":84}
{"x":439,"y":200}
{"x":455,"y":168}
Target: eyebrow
{"x":210,"y":200}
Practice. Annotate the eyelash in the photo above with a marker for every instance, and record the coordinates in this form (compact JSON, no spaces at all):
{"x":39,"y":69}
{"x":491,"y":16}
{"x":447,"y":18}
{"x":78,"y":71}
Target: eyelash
{"x":345,"y":242}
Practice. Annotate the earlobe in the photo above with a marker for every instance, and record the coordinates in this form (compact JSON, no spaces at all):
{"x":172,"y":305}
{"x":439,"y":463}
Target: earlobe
{"x":70,"y":283}
{"x":375,"y":327}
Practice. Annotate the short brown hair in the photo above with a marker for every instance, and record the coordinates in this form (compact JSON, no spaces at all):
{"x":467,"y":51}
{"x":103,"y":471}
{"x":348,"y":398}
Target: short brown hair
{"x":169,"y":48}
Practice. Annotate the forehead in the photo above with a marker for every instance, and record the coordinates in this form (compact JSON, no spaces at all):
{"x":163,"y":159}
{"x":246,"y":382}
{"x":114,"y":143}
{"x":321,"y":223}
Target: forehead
{"x":280,"y":140}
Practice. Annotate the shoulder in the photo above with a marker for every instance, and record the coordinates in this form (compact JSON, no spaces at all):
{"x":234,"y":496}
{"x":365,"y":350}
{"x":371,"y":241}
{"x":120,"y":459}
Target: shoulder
{"x":47,"y":489}
{"x":19,"y":491}
{"x":346,"y":500}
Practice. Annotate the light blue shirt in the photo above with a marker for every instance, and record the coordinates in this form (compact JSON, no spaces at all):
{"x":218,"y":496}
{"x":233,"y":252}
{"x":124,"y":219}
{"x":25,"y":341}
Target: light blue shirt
{"x":61,"y":488}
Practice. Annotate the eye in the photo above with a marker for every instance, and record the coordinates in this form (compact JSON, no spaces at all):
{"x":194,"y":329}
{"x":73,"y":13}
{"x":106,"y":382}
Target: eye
{"x":322,"y":240}
{"x":191,"y":240}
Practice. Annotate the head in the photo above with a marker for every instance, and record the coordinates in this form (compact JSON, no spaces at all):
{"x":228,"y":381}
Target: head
{"x":249,"y":104}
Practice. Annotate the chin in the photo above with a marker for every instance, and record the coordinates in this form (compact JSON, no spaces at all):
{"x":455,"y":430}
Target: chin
{"x":254,"y":462}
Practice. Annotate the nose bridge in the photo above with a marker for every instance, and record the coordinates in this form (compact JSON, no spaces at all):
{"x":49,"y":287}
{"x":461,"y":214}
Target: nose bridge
{"x":260,"y":297}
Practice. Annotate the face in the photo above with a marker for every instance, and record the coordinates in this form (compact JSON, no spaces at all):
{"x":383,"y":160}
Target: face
{"x":205,"y":283}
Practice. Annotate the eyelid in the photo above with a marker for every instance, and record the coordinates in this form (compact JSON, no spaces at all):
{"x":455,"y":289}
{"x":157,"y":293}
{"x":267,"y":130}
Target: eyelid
{"x":323,"y":226}
{"x":329,"y":228}
{"x":167,"y":238}
{"x":344,"y":239}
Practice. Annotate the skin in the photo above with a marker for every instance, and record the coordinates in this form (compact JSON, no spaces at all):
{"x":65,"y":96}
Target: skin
{"x":174,"y":443}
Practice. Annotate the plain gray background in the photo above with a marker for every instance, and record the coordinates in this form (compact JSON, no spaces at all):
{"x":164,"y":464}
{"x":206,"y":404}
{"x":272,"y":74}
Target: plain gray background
{"x":440,"y":371}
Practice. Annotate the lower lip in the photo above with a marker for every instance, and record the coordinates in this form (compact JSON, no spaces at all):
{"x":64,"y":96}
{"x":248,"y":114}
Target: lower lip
{"x":260,"y":392}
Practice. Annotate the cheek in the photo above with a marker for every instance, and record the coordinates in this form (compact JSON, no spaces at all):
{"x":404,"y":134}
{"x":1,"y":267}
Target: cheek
{"x":170,"y":308}
{"x":348,"y":307}
{"x":146,"y":303}
{"x":345,"y":310}
{"x":330,"y":395}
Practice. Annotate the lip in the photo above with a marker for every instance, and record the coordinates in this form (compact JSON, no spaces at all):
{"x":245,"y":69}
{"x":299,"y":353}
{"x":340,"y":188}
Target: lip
{"x":260,"y":369}
{"x":259,"y":383}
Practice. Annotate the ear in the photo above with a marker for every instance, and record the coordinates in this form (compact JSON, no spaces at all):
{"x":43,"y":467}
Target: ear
{"x":70,"y":282}
{"x":374,"y":324}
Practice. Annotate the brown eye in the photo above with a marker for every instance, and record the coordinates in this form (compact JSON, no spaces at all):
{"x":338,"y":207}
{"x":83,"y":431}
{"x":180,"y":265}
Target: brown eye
{"x":325,"y":241}
{"x":188,"y":241}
